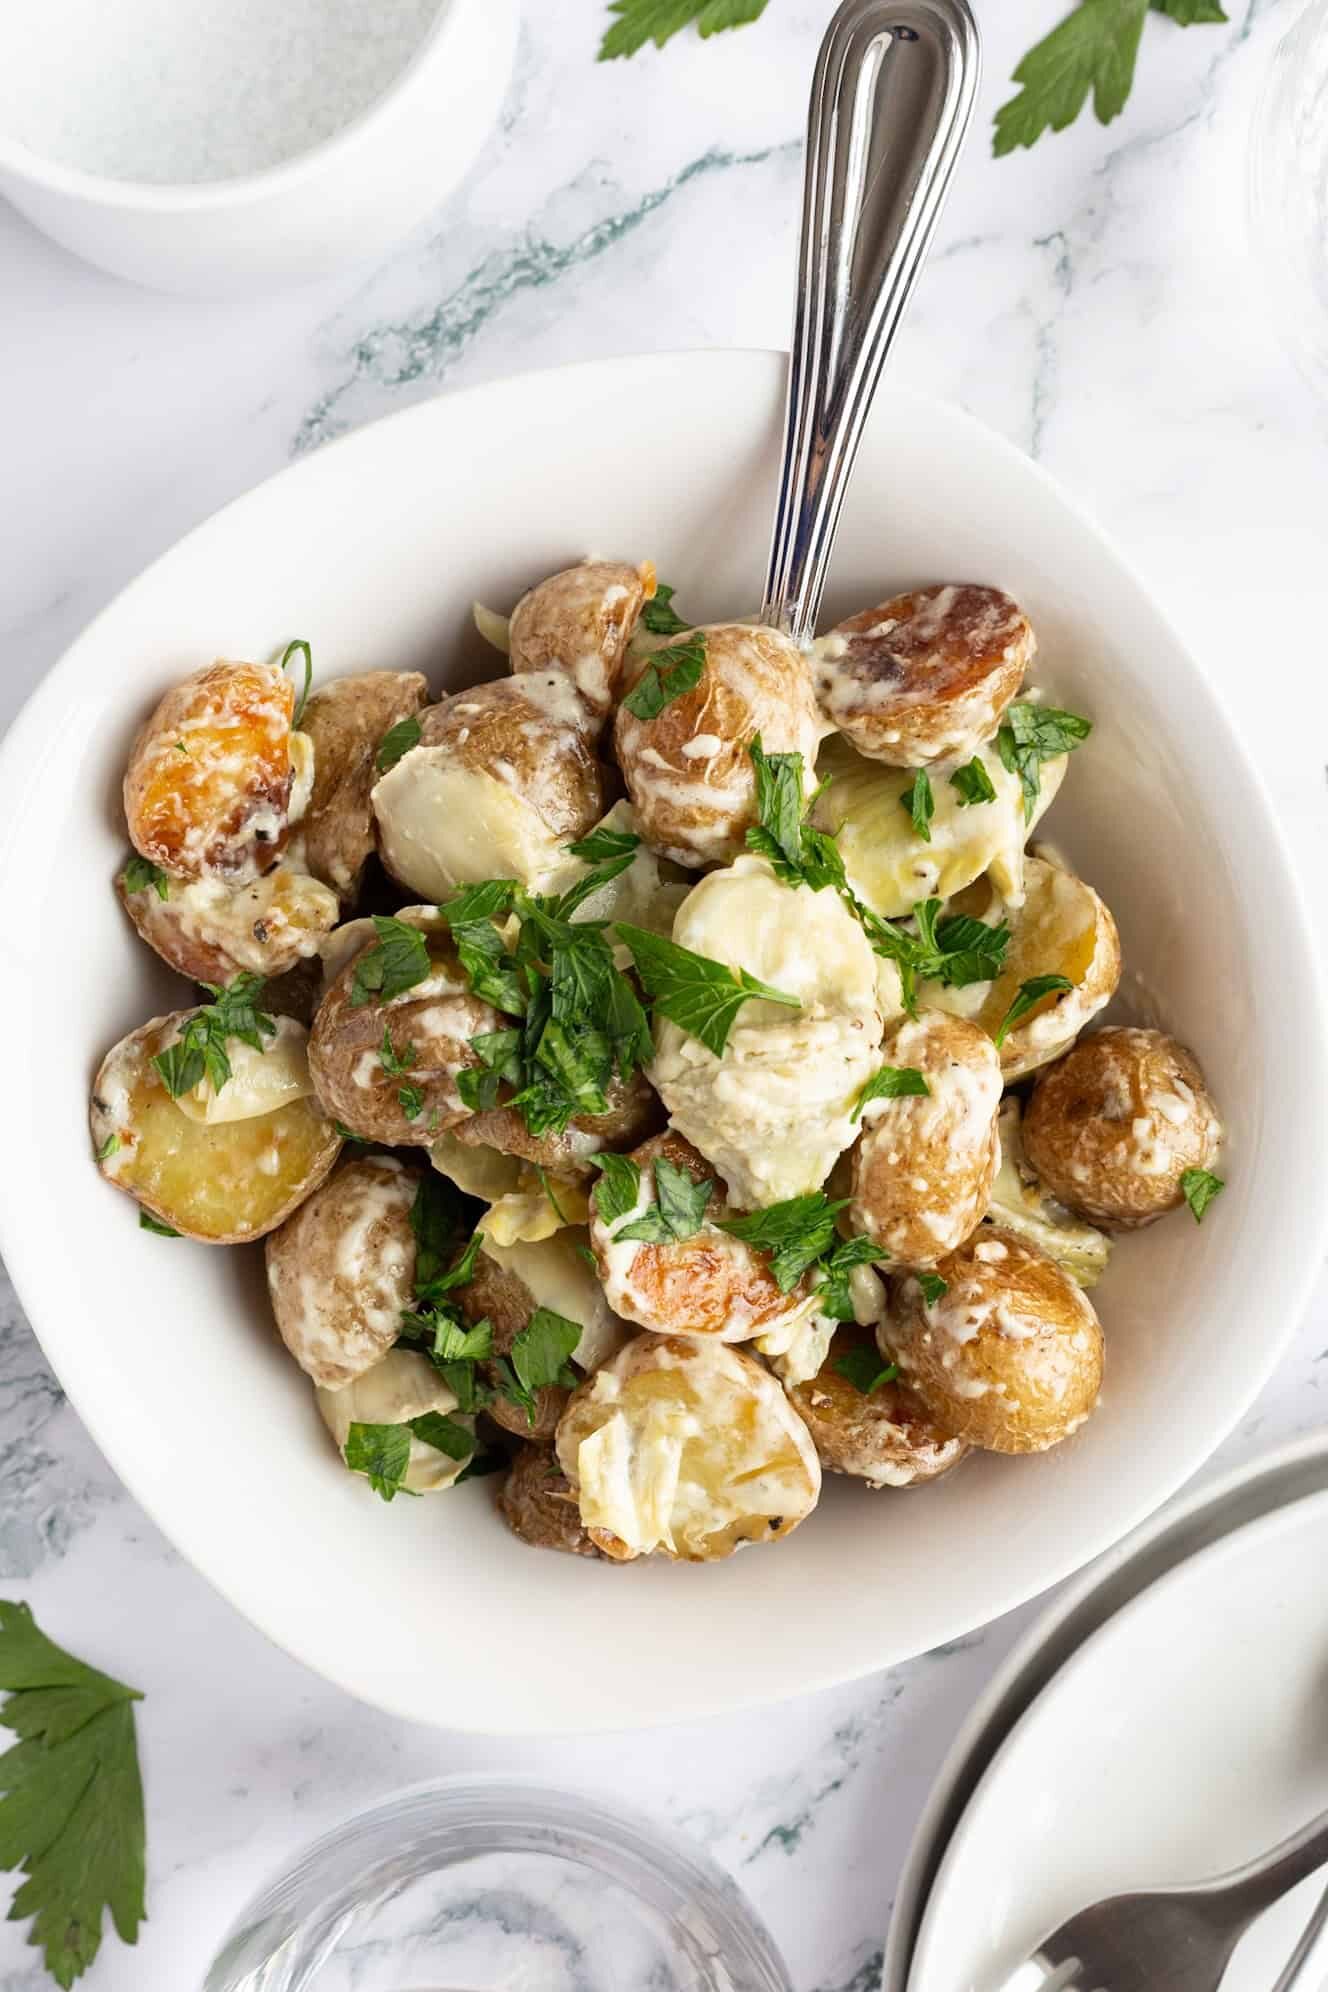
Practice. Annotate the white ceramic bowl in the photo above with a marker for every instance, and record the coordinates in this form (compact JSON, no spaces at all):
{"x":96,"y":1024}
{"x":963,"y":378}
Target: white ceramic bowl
{"x":373,"y":550}
{"x":342,"y":201}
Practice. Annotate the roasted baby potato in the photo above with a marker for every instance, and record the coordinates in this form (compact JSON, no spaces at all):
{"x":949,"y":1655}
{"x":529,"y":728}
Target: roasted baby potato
{"x":400,"y":1387}
{"x":924,"y":1164}
{"x":220,"y":1180}
{"x":1021,"y":1204}
{"x":1062,"y":928}
{"x":886,"y":1437}
{"x":347,"y":719}
{"x":708,"y":1284}
{"x":1009,"y":1356}
{"x":387,"y":1070}
{"x":210,"y":790}
{"x":508,"y":1285}
{"x":889,"y":866}
{"x":1113,"y":1127}
{"x":773,"y":1113}
{"x":538,"y":1504}
{"x":633,"y":1113}
{"x":688,"y":769}
{"x":689,"y":1447}
{"x":503,"y":777}
{"x":341,"y":1270}
{"x":926,"y":676}
{"x":581,"y":622}
{"x":209,"y":930}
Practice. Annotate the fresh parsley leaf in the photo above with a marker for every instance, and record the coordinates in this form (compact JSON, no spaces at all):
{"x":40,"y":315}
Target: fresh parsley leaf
{"x":382,"y":1454}
{"x":658,"y":615}
{"x":444,"y":1434}
{"x":834,"y":1295}
{"x":641,"y":21}
{"x":539,"y":1359}
{"x":395,"y":1063}
{"x":618,"y":1188}
{"x":139,"y":874}
{"x":499,"y":1053}
{"x":1199,"y":1187}
{"x":613,"y":867}
{"x":605,"y":845}
{"x":446,"y":1336}
{"x":699,"y":995}
{"x":931,"y":1286}
{"x":1191,"y":13}
{"x":892,"y":1082}
{"x":109,"y":1147}
{"x":678,"y":1211}
{"x":1029,"y":996}
{"x":437,"y":1220}
{"x":288,"y":653}
{"x":794,"y":1233}
{"x":71,"y":1798}
{"x":398,"y":740}
{"x":967,"y":951}
{"x":920,"y":803}
{"x":147,"y":1222}
{"x":671,"y":672}
{"x":863,"y":1368}
{"x":200,"y":1050}
{"x":347,"y":1134}
{"x":470,"y":915}
{"x":1031,"y":734}
{"x":1095,"y":49}
{"x":411,"y":1101}
{"x":973,"y":784}
{"x":391,"y":965}
{"x":779,"y":801}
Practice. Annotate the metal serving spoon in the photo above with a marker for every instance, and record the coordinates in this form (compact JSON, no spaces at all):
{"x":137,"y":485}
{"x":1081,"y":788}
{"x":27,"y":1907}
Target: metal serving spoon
{"x":891,"y":102}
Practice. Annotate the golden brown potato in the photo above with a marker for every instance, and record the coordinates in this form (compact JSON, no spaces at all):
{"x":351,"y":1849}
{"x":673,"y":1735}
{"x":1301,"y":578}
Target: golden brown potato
{"x":341,"y":1270}
{"x":924,"y":1165}
{"x":1009,"y":1357}
{"x":634,"y":1112}
{"x":221,"y":1181}
{"x":1112,"y":1128}
{"x":887,"y":1438}
{"x":428,"y":1027}
{"x":209,"y":930}
{"x":688,"y":770}
{"x":708,"y":1284}
{"x":504,"y":776}
{"x":537,"y":1503}
{"x":926,"y":676}
{"x":689,"y":1447}
{"x":208,"y":789}
{"x":581,"y":621}
{"x":1062,"y":928}
{"x":346,"y":719}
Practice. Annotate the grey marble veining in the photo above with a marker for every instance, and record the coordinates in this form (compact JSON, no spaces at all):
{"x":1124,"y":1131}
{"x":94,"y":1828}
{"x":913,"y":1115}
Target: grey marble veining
{"x":1095,"y":301}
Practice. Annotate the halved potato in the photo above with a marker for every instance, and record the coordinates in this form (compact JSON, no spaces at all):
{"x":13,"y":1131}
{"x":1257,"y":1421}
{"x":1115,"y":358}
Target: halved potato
{"x":398,"y":1388}
{"x":889,"y":866}
{"x":1021,"y":1204}
{"x":687,"y":1447}
{"x":210,"y":930}
{"x":219,"y":1182}
{"x":887,"y":1438}
{"x":538,"y":1504}
{"x":688,"y":769}
{"x":341,"y":1270}
{"x":581,"y":621}
{"x":209,"y":786}
{"x":346,"y":719}
{"x":1062,"y":928}
{"x":503,"y":777}
{"x":926,"y":676}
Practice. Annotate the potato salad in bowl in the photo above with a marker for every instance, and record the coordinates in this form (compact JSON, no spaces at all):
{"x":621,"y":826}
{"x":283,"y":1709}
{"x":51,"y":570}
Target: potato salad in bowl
{"x":661,"y":1075}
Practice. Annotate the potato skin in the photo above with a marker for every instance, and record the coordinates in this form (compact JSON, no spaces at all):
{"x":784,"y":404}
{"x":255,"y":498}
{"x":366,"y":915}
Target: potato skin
{"x":925,"y":676}
{"x":634,"y":1111}
{"x":341,"y":1269}
{"x":924,"y":1167}
{"x":1010,"y":1356}
{"x":209,"y":931}
{"x":537,"y":1503}
{"x":209,"y":779}
{"x":581,"y":621}
{"x":221,"y":1185}
{"x":888,"y":1439}
{"x":432,"y":1024}
{"x":346,"y":719}
{"x":1113,"y":1126}
{"x":709,"y":1284}
{"x":688,"y":771}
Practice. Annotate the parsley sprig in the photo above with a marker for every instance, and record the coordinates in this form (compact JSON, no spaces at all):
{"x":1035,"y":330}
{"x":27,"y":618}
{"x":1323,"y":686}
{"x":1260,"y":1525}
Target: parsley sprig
{"x":200,"y":1049}
{"x":671,"y":672}
{"x":640,"y":21}
{"x":1031,"y":734}
{"x":701,"y":996}
{"x":659,"y":615}
{"x":1095,"y":49}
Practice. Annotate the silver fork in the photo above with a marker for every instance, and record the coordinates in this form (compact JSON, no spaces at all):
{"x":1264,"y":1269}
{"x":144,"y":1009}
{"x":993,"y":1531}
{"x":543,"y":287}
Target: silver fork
{"x":1180,"y":1938}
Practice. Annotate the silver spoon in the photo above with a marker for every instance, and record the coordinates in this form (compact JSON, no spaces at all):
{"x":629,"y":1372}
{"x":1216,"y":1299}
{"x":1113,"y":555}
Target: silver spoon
{"x":891,"y":102}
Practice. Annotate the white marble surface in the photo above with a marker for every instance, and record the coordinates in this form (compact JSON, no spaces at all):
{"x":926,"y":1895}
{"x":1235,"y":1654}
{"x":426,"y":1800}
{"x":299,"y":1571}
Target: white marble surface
{"x":1094,"y":300}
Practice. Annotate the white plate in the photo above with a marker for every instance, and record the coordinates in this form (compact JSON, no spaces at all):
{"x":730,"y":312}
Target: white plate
{"x":373,"y":549}
{"x":1187,"y":1736}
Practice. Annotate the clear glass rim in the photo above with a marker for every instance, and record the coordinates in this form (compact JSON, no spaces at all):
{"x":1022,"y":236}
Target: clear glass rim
{"x":290,"y":1929}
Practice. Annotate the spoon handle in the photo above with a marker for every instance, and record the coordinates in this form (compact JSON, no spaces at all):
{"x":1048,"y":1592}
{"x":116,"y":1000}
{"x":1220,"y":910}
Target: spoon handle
{"x":891,"y":102}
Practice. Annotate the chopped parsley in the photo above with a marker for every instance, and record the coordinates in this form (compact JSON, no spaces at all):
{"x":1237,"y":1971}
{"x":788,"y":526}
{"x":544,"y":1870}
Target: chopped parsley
{"x":538,"y":1360}
{"x":1030,"y":995}
{"x":1199,"y":1187}
{"x":381,"y":1453}
{"x":147,"y":1222}
{"x":892,"y":1082}
{"x":931,"y":1286}
{"x":920,"y":804}
{"x":109,"y":1147}
{"x":701,"y":996}
{"x":618,"y":1189}
{"x":795,"y":1233}
{"x":397,"y":1064}
{"x":863,"y":1368}
{"x":140,"y":873}
{"x":659,"y":615}
{"x":200,"y":1050}
{"x":605,"y":845}
{"x":398,"y":740}
{"x":1031,"y":734}
{"x":671,"y":672}
{"x":834,"y":1294}
{"x":640,"y":21}
{"x":678,"y":1211}
{"x":391,"y":965}
{"x":973,"y":784}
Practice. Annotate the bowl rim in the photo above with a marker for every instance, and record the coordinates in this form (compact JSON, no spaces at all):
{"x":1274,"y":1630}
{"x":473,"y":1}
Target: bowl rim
{"x":174,"y":197}
{"x":41,"y":714}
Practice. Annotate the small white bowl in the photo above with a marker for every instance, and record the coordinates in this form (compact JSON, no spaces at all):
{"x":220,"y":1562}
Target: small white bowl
{"x":342,"y":201}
